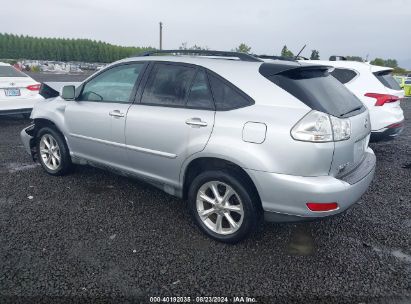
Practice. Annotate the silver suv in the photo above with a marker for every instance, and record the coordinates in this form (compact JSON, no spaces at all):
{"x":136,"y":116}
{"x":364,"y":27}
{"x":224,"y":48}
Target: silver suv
{"x":239,"y":139}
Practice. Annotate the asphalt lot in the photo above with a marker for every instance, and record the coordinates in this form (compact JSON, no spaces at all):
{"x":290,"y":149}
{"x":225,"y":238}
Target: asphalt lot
{"x":96,"y":236}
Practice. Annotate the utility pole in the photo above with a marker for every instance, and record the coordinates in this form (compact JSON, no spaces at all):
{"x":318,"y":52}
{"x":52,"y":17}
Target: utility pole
{"x":161,"y":36}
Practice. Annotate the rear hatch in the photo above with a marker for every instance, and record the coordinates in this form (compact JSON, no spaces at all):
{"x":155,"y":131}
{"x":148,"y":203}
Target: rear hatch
{"x":314,"y":86}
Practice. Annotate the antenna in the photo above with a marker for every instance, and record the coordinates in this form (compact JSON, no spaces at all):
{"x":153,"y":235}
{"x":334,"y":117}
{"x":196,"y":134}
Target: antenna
{"x":296,"y":56}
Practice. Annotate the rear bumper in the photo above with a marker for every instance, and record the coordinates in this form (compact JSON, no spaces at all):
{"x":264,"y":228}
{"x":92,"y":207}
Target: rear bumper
{"x":284,"y":197}
{"x":388,"y":133}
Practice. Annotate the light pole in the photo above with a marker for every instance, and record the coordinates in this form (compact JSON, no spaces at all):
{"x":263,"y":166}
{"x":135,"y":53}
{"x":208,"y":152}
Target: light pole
{"x":161,"y":35}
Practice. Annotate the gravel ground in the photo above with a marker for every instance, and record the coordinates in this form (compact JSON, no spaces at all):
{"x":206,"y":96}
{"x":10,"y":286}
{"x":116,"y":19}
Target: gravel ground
{"x":95,"y":236}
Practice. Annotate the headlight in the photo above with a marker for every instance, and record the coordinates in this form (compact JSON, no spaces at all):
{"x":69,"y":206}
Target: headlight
{"x":320,"y":127}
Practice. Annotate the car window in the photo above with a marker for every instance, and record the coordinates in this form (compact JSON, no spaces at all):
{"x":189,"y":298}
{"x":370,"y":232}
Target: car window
{"x":168,"y":84}
{"x":386,"y":78}
{"x":113,"y":85}
{"x":9,"y":71}
{"x":200,"y":95}
{"x":227,"y":97}
{"x":318,"y":90}
{"x":343,"y":75}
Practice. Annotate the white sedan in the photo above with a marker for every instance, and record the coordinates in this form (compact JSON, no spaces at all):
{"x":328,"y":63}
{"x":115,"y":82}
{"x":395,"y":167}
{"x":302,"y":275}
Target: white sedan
{"x":18,"y":92}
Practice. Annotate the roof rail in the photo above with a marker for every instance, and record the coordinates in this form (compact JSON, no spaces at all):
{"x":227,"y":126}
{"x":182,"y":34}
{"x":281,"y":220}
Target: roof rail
{"x":241,"y":56}
{"x":276,"y":57}
{"x":337,"y":58}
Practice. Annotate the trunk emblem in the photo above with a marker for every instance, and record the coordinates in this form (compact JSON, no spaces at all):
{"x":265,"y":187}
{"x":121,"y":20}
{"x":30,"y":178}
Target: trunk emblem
{"x":12,"y":84}
{"x":366,"y":123}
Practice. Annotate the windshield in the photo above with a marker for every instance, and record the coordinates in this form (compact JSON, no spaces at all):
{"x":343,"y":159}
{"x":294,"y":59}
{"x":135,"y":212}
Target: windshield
{"x":387,"y":80}
{"x":9,"y":71}
{"x":319,"y":90}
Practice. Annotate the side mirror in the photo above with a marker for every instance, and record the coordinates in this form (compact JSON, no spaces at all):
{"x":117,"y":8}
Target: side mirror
{"x":69,"y":92}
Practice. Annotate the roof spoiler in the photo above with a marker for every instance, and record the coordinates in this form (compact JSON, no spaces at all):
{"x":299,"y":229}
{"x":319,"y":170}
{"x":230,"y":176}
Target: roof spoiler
{"x":268,"y":69}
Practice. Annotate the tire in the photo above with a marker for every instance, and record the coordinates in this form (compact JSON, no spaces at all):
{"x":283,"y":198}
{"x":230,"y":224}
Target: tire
{"x":241,"y":200}
{"x":54,"y":139}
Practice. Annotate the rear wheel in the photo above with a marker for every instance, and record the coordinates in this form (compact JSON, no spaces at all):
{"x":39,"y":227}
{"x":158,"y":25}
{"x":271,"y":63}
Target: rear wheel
{"x":52,"y":152}
{"x":222,"y":206}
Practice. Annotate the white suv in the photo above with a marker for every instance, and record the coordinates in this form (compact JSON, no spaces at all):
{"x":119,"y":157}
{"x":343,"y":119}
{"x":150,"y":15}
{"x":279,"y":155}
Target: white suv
{"x":377,"y":89}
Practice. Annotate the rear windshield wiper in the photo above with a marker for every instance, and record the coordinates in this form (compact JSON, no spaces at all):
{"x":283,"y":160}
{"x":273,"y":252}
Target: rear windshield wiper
{"x":350,"y":111}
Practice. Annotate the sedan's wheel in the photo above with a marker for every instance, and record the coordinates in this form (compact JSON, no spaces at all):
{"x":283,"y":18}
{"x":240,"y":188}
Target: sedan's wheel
{"x":52,"y":151}
{"x":223,"y":205}
{"x":220,"y":207}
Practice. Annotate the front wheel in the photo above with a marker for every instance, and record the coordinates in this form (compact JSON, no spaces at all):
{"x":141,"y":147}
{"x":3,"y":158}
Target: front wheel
{"x":53,"y":152}
{"x":222,"y":206}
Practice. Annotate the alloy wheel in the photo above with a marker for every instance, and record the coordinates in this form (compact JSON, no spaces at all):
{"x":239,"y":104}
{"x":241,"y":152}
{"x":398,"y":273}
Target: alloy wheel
{"x":219,"y":207}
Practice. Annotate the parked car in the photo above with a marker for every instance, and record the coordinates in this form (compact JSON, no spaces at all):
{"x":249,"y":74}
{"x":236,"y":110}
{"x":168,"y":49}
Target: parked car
{"x":238,"y":139}
{"x":18,"y":92}
{"x":377,"y":89}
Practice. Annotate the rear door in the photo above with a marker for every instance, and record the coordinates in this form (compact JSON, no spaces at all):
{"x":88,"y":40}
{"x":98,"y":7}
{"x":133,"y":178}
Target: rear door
{"x":96,"y":120}
{"x":173,"y":121}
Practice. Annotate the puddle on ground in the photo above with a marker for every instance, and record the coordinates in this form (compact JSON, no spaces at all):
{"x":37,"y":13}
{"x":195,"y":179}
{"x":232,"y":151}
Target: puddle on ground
{"x":17,"y":167}
{"x":396,"y":253}
{"x":301,"y":242}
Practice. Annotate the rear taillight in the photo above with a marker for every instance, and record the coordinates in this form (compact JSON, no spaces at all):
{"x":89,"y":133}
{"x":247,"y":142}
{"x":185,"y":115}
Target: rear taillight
{"x":320,"y":127}
{"x":382,"y":98}
{"x":33,"y":87}
{"x":321,"y":207}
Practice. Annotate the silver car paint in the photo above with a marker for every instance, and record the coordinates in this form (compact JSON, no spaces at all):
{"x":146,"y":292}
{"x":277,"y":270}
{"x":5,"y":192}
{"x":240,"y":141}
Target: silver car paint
{"x":157,"y":144}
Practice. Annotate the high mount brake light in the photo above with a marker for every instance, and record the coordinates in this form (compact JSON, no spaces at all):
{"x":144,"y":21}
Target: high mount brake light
{"x":382,"y":98}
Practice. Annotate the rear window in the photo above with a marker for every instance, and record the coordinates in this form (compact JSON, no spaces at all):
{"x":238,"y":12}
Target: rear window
{"x":319,"y":90}
{"x":8,"y":71}
{"x":387,"y":80}
{"x":343,"y":75}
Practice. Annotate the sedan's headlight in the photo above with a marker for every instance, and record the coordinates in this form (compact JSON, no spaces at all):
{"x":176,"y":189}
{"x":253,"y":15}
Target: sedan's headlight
{"x":320,"y":127}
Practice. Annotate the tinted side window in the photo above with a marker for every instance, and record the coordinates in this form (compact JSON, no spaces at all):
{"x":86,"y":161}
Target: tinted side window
{"x":113,"y":85}
{"x":200,"y":95}
{"x":319,"y":90}
{"x":344,"y":75}
{"x":168,"y":84}
{"x":386,"y":78}
{"x":226,"y":97}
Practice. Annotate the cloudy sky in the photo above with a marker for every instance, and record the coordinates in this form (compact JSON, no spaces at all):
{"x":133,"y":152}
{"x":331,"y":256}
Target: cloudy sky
{"x":379,"y":28}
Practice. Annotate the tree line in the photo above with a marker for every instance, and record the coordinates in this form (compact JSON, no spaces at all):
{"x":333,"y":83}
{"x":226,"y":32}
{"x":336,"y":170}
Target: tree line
{"x":60,"y":49}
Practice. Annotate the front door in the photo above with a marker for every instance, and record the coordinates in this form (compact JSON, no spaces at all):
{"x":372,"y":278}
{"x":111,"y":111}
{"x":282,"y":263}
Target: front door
{"x":96,"y":119}
{"x":173,"y":121}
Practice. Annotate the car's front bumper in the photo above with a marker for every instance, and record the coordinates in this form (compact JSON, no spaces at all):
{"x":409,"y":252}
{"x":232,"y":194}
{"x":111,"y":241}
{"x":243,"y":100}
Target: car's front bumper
{"x":284,"y":197}
{"x":27,"y":139}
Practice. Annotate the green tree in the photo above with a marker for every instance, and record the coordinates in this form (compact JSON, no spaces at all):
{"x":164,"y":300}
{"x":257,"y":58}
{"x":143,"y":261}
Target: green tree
{"x":285,"y":52}
{"x":25,"y":47}
{"x":378,"y":61}
{"x":243,"y":48}
{"x":315,"y":55}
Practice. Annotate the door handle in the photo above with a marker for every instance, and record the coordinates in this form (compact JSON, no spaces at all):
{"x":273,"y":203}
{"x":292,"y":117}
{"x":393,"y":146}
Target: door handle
{"x":197,"y":122}
{"x":116,"y":113}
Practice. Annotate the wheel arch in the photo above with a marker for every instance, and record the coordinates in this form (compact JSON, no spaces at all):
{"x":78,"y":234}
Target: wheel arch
{"x":205,"y":163}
